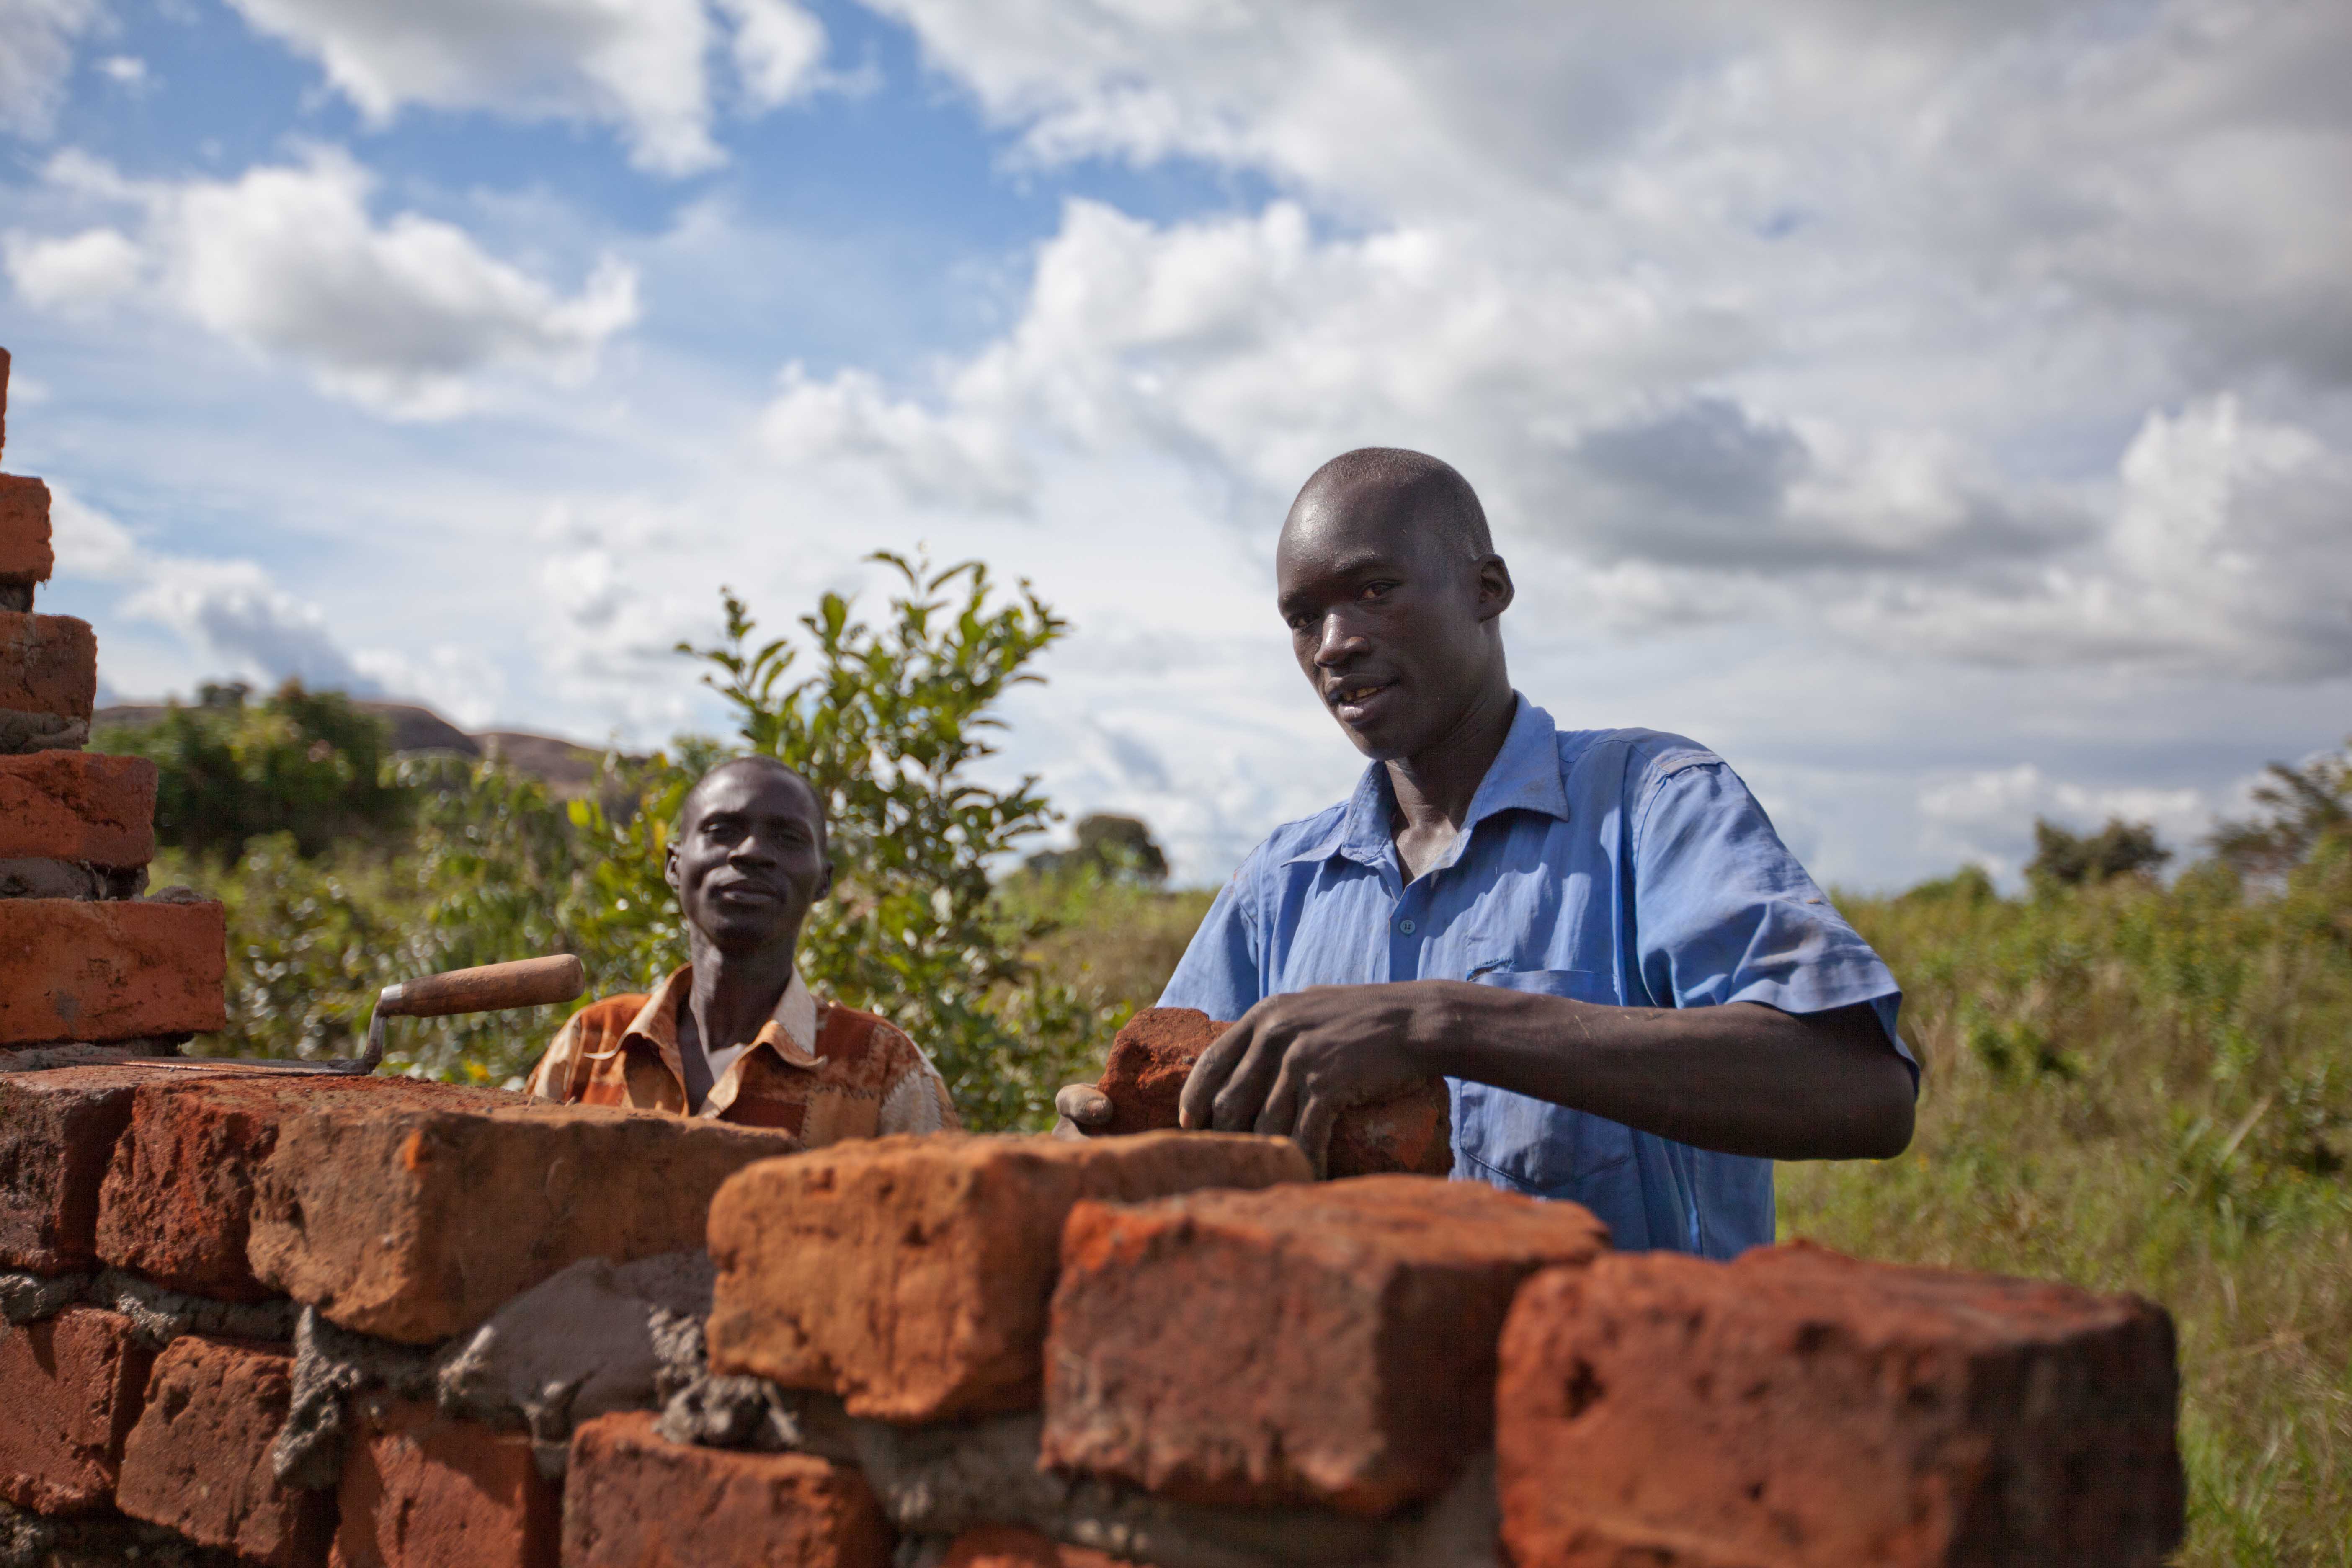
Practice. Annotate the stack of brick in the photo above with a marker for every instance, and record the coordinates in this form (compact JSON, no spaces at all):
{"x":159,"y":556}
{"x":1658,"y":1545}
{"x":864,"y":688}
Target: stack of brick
{"x":189,"y":1252}
{"x":1175,"y":1350}
{"x":82,"y":958}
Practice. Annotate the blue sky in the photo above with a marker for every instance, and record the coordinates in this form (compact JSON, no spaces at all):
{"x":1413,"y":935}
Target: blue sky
{"x":1941,"y":411}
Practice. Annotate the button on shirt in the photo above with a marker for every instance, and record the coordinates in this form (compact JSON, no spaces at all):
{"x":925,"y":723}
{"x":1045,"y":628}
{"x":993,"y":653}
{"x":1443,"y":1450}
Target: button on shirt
{"x":1625,"y":867}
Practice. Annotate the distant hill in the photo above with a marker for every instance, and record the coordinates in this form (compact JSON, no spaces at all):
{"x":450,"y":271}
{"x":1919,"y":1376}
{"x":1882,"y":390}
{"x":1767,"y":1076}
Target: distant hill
{"x":568,"y":769}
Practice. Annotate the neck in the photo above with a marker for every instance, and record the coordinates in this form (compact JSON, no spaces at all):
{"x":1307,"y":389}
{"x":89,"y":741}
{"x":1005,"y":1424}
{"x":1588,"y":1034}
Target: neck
{"x":735,"y":992}
{"x":1435,"y":785}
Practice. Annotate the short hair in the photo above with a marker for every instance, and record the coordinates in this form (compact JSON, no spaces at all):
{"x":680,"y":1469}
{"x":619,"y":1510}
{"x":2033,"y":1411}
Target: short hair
{"x":1432,"y":487}
{"x":759,"y":760}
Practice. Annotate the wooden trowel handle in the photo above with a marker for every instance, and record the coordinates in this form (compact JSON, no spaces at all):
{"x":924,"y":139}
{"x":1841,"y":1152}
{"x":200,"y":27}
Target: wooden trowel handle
{"x":525,"y":982}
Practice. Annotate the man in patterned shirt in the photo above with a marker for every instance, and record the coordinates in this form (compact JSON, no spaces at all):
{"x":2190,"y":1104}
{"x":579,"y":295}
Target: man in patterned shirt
{"x":736,"y":1035}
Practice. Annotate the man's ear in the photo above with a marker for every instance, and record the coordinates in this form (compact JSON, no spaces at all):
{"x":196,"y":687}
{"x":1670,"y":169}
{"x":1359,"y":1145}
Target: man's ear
{"x":669,"y":868}
{"x":823,"y":881}
{"x":1496,"y":591}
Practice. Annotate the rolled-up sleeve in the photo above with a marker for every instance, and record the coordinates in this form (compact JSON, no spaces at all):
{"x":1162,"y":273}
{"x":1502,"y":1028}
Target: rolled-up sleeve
{"x":1724,"y":913}
{"x":1220,"y":972}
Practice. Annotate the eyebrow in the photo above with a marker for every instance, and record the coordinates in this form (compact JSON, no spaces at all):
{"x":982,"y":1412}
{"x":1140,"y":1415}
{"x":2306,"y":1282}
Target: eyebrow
{"x":1355,"y":565}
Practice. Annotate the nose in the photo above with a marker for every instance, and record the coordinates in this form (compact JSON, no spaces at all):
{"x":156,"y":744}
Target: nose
{"x":754,"y":849}
{"x":1336,"y":644}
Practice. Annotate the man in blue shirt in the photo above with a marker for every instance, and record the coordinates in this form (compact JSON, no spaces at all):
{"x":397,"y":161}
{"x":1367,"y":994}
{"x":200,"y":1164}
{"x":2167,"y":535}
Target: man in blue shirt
{"x":1638,"y":997}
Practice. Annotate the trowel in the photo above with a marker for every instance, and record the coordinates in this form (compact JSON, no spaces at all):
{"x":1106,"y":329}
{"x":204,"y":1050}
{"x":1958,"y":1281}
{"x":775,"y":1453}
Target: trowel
{"x":524,"y":982}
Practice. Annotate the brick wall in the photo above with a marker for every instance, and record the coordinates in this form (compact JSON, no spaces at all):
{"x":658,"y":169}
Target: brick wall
{"x":291,"y":1320}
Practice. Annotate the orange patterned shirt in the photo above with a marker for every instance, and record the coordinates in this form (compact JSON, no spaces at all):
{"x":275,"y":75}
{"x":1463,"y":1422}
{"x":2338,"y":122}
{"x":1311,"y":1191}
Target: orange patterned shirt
{"x":818,"y":1070}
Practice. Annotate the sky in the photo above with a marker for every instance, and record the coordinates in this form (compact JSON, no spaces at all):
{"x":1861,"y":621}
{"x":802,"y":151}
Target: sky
{"x":1943,"y":411}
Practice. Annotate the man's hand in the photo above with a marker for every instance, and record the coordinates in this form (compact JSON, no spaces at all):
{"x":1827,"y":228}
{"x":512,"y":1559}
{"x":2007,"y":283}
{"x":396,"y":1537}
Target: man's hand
{"x":1296,"y":1061}
{"x":1079,"y":1109}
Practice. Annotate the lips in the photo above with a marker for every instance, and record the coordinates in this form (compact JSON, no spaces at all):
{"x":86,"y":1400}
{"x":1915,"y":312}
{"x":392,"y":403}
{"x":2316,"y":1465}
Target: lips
{"x":744,"y":893}
{"x":1351,"y":700}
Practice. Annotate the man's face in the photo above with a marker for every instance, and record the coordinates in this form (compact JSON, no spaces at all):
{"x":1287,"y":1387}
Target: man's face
{"x":749,"y":858}
{"x":1392,"y":626}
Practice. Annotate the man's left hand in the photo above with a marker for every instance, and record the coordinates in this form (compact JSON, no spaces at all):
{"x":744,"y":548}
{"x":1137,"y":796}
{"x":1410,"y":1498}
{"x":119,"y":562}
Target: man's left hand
{"x":1296,"y":1061}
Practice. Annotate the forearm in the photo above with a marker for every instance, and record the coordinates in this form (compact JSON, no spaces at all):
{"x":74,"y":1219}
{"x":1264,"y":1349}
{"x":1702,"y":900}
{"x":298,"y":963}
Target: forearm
{"x":1743,"y":1078}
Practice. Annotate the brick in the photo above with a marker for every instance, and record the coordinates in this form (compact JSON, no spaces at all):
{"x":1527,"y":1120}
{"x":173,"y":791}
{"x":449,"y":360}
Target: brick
{"x":72,"y":970}
{"x":1798,"y":1409}
{"x":1332,"y":1344}
{"x":198,"y":1460}
{"x":78,"y":805}
{"x":910,"y":1276}
{"x":70,"y":1387}
{"x":421,"y":1490}
{"x":48,"y":664}
{"x":632,"y":1500}
{"x":177,"y":1202}
{"x":25,"y":557}
{"x":1410,"y":1132}
{"x":1010,"y":1546}
{"x":58,"y":1131}
{"x":415,"y":1219}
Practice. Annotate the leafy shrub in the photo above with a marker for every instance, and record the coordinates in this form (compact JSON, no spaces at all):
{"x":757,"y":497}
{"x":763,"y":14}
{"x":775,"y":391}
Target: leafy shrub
{"x":304,"y":763}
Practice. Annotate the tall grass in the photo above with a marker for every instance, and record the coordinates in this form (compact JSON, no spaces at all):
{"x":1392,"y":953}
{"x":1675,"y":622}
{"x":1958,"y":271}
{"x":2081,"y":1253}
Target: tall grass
{"x":2138,"y":1089}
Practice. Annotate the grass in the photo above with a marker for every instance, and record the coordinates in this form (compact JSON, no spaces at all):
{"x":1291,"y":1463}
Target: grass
{"x":2128,"y":1087}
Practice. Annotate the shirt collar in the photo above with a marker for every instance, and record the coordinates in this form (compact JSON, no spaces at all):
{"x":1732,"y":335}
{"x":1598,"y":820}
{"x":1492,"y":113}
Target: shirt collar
{"x":1524,"y":776}
{"x":790,"y":1031}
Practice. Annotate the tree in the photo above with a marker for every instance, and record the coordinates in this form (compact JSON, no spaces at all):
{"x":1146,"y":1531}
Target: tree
{"x":2302,"y":807}
{"x":887,"y":726}
{"x":302,"y":762}
{"x":1117,"y":846}
{"x":2121,"y":849}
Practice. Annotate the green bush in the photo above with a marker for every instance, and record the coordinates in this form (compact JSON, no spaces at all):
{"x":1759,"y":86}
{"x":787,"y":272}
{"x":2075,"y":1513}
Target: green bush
{"x":304,"y":763}
{"x":887,"y":726}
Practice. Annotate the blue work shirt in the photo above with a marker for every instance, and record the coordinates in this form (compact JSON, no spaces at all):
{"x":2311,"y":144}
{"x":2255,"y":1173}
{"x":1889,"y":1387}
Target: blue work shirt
{"x":1617,"y":866}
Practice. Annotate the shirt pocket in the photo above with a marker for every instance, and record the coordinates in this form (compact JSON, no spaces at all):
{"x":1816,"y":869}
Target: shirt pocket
{"x":1537,"y":1147}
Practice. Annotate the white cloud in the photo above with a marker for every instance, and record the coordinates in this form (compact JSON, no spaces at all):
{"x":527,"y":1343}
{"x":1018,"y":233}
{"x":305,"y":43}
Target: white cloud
{"x":778,"y":48}
{"x":639,"y":65}
{"x":77,"y":272}
{"x":407,"y":315}
{"x":232,"y":612}
{"x":37,"y":51}
{"x":1725,"y":313}
{"x":1986,"y":817}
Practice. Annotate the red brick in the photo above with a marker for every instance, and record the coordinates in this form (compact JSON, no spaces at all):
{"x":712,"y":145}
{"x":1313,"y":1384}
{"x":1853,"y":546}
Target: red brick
{"x":1410,"y":1132}
{"x":198,"y":1460}
{"x":1799,"y":1409}
{"x":72,"y":970}
{"x":48,"y":664}
{"x":70,"y":1387}
{"x":78,"y":805}
{"x":1329,"y":1344}
{"x":177,"y":1202}
{"x":632,"y":1500}
{"x":58,"y":1130}
{"x":421,"y":1490}
{"x":910,"y":1276}
{"x":1009,"y":1546}
{"x":25,"y":553}
{"x":415,"y":1218}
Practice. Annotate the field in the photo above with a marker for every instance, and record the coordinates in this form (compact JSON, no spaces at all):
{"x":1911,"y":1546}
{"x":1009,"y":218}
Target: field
{"x":2131,"y":1088}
